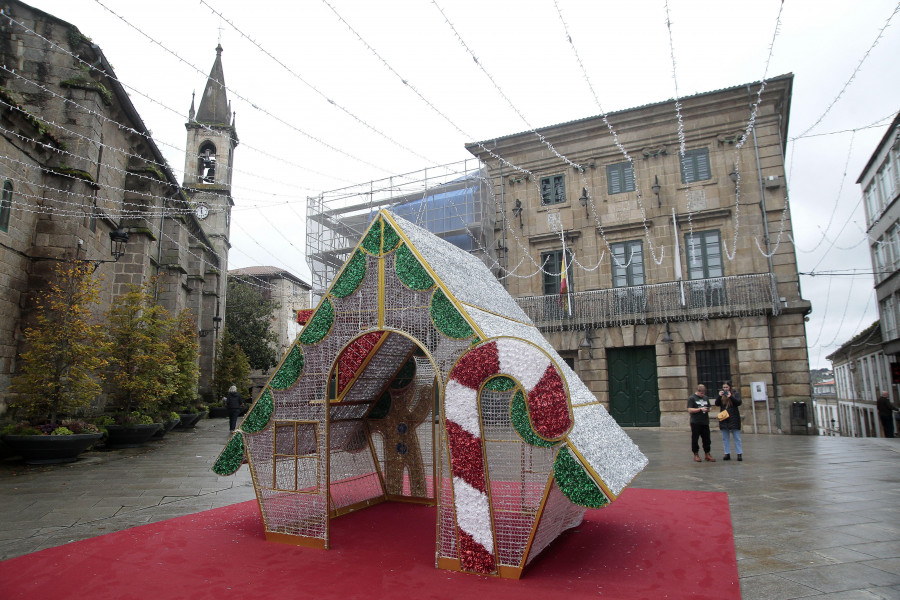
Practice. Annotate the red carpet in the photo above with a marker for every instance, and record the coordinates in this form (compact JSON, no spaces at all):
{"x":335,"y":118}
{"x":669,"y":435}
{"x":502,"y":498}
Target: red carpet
{"x":648,"y":544}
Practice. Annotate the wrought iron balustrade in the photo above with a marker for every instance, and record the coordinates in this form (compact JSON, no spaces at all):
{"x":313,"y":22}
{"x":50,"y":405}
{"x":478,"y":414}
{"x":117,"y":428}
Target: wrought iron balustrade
{"x":692,"y":300}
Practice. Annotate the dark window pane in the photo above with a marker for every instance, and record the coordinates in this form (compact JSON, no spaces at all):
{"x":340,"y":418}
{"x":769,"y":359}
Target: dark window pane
{"x":704,"y":254}
{"x":713,"y":369}
{"x":627,"y":263}
{"x":553,"y":189}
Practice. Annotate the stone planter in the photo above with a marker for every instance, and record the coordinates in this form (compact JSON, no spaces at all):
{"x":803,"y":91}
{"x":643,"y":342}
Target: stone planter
{"x":130,"y":436}
{"x":189,"y":420}
{"x":218,"y":412}
{"x":168,"y":426}
{"x":49,"y":449}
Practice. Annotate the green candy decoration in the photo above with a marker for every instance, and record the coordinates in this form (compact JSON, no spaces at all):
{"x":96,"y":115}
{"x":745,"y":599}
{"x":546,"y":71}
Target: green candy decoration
{"x":290,"y":370}
{"x":447,"y":319}
{"x":372,"y":242}
{"x":410,"y":271}
{"x":319,"y":326}
{"x":499,"y":384}
{"x":389,"y":239}
{"x":574,"y":483}
{"x":351,"y":276}
{"x":518,"y":414}
{"x":260,"y":413}
{"x":231,"y":457}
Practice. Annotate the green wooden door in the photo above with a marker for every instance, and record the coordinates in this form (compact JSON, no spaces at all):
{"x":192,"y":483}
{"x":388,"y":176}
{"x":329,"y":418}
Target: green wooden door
{"x":633,"y":388}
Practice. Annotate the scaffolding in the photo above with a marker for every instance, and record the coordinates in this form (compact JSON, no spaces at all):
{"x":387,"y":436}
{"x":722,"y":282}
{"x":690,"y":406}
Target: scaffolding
{"x":452,"y":201}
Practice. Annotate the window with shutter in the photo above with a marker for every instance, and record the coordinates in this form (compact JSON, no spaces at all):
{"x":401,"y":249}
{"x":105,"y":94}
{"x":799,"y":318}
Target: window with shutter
{"x":695,"y":165}
{"x":553,"y":189}
{"x":619,"y":178}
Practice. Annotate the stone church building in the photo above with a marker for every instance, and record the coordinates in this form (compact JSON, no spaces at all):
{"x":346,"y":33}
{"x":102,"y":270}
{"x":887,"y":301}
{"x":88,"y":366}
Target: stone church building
{"x":79,"y":167}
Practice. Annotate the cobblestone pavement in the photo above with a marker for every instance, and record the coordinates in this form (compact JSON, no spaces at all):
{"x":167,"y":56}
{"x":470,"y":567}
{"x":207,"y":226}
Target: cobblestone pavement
{"x":813,"y":517}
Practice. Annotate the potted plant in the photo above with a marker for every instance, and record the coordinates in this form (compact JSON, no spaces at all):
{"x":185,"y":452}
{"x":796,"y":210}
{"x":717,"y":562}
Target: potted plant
{"x":169,"y":421}
{"x":142,"y":365}
{"x":61,"y":370}
{"x":185,"y":347}
{"x":232,"y":368}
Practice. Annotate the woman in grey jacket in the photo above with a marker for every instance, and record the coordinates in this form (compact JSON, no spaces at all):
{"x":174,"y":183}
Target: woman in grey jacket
{"x":730,"y":400}
{"x":233,"y":403}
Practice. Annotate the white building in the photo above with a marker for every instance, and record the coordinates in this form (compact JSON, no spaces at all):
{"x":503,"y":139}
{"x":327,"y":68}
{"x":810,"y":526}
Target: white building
{"x":861,"y":371}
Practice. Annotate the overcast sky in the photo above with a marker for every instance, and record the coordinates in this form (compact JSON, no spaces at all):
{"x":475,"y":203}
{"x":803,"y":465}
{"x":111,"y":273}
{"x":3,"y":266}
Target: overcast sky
{"x":625,"y":48}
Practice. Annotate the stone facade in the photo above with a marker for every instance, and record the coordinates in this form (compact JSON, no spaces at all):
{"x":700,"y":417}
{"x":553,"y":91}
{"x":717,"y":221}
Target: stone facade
{"x":78,"y":163}
{"x":744,"y":318}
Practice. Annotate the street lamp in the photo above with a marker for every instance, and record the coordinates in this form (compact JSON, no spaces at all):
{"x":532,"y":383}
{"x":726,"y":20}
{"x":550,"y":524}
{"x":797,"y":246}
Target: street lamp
{"x":117,"y":241}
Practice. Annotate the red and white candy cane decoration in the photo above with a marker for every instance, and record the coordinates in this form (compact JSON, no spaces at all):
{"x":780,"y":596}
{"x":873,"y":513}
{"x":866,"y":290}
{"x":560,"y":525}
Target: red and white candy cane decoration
{"x":548,"y":407}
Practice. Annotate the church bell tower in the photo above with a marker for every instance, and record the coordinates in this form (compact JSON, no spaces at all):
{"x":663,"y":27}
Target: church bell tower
{"x":211,"y":140}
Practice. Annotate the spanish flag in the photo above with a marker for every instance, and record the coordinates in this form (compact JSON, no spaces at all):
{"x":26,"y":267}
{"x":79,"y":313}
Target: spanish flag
{"x":564,"y":286}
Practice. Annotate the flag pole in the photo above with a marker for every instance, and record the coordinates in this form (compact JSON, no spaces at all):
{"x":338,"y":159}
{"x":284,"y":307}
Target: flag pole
{"x":678,"y":274}
{"x":564,"y":276}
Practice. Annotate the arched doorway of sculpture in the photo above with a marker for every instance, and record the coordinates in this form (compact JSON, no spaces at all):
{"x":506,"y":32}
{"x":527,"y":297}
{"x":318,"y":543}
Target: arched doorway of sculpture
{"x":381,"y":399}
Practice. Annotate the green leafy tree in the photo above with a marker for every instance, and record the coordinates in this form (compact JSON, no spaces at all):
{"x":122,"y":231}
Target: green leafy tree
{"x":186,"y":348}
{"x":232,"y":366}
{"x":61,"y":371}
{"x":249,"y":319}
{"x":143,"y":363}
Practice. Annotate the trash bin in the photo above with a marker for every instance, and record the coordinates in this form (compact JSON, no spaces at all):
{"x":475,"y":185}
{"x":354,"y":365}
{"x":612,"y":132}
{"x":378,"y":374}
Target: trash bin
{"x":799,"y":419}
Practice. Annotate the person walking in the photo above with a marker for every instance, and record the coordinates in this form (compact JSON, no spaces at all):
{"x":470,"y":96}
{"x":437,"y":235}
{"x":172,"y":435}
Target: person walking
{"x":886,"y":413}
{"x":233,"y":403}
{"x":729,"y":400}
{"x":698,"y":406}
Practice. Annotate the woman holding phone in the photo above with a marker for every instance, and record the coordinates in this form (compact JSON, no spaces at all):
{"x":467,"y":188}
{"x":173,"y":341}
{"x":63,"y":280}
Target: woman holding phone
{"x":729,"y":400}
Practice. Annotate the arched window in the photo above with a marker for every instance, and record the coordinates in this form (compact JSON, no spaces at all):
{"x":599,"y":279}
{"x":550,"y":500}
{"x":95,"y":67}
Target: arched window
{"x":206,"y":163}
{"x":6,"y":205}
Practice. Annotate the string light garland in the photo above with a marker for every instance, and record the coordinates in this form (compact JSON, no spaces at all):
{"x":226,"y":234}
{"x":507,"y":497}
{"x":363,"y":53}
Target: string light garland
{"x":859,"y":65}
{"x":241,"y":96}
{"x":153,"y":100}
{"x":837,"y":197}
{"x":315,"y":89}
{"x":580,"y":169}
{"x":540,"y":266}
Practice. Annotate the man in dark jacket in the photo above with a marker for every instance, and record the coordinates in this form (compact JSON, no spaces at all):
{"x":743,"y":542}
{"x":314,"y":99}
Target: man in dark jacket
{"x":233,"y":403}
{"x":886,"y":413}
{"x":698,"y":406}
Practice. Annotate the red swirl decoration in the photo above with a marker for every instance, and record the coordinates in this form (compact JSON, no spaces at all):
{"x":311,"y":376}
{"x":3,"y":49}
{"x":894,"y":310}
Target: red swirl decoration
{"x":353,"y":356}
{"x":548,"y":405}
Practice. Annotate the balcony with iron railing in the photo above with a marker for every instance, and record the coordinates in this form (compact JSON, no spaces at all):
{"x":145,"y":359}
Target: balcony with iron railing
{"x":693,"y":300}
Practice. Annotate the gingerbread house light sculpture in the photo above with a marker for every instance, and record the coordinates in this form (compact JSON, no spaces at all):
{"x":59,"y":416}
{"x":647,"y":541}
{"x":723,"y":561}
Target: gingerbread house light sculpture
{"x":419,"y":379}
